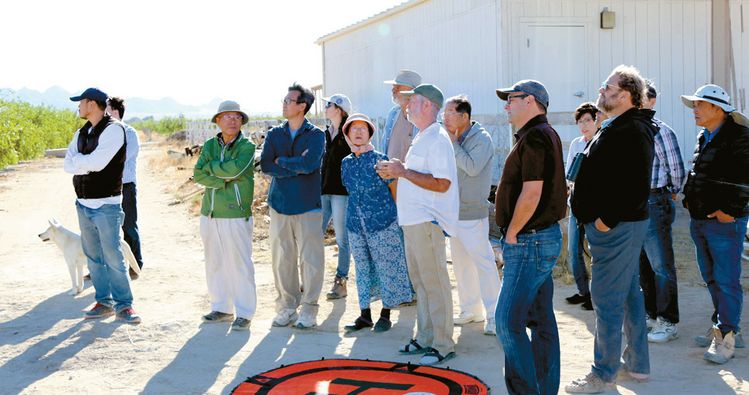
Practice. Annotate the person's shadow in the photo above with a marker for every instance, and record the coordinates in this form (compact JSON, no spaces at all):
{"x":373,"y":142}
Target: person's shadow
{"x":199,"y":361}
{"x":42,"y":317}
{"x":39,"y":360}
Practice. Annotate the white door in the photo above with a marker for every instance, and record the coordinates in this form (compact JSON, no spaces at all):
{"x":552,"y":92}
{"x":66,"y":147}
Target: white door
{"x":555,"y":56}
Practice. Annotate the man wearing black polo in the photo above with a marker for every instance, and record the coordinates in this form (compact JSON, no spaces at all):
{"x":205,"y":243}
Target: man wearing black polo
{"x":531,"y":198}
{"x":96,"y":158}
{"x":610,"y":198}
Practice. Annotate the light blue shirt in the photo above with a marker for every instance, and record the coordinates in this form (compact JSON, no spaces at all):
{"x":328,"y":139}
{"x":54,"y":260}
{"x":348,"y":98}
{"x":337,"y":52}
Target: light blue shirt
{"x":131,"y":154}
{"x":293,"y":133}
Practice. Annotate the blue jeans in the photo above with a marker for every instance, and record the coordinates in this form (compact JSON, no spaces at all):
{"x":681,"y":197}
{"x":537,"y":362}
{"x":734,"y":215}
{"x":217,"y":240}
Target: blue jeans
{"x":719,"y":247}
{"x":617,"y":298}
{"x":525,"y":301}
{"x":657,"y":267}
{"x":575,"y":254}
{"x":130,"y":224}
{"x":100,"y":238}
{"x":335,"y":206}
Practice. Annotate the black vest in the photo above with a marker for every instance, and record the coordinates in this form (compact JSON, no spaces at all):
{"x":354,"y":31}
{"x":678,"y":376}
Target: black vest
{"x":106,"y":182}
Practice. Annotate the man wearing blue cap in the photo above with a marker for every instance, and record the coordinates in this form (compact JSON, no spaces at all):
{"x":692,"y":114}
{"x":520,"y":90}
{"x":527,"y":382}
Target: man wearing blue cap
{"x":531,"y":198}
{"x":96,"y":158}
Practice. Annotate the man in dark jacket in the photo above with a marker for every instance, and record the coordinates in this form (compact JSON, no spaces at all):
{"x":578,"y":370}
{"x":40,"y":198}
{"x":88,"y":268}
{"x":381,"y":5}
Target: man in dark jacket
{"x":716,"y":194}
{"x":610,"y":198}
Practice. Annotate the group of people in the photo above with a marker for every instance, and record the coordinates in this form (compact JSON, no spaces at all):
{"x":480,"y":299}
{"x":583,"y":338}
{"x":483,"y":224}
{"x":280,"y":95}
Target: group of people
{"x":395,"y":194}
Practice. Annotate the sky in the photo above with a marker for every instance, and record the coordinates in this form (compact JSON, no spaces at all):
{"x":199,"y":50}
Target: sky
{"x":193,"y":51}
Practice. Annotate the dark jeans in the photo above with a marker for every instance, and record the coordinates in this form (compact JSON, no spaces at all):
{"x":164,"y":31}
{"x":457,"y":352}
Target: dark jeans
{"x":657,"y":267}
{"x":719,"y":247}
{"x":617,"y":299}
{"x":575,"y":234}
{"x":525,"y":301}
{"x":130,"y":224}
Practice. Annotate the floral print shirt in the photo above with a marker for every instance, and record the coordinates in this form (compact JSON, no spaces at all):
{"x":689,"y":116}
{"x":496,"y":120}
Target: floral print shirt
{"x":371,"y":206}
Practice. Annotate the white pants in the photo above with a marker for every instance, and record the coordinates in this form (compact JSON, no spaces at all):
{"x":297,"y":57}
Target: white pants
{"x":474,"y":266}
{"x":228,"y":265}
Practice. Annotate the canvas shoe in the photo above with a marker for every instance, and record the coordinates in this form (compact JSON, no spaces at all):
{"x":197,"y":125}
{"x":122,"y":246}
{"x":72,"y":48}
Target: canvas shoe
{"x":663,"y":331}
{"x":590,"y":384}
{"x":707,"y":338}
{"x":99,"y":311}
{"x":128,"y":316}
{"x":490,"y":327}
{"x":240,"y":324}
{"x":285,"y":317}
{"x":217,"y":316}
{"x":721,"y":349}
{"x":466,"y":318}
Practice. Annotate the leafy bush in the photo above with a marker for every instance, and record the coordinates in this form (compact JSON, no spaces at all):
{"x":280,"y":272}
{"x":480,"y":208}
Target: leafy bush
{"x":167,"y":125}
{"x":27,"y":130}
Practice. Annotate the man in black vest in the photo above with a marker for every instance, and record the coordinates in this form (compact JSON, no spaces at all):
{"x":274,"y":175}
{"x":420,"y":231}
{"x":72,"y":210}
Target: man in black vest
{"x":96,"y":158}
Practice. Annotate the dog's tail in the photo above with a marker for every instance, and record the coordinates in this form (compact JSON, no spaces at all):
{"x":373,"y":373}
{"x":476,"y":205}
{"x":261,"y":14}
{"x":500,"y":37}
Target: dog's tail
{"x":129,"y":257}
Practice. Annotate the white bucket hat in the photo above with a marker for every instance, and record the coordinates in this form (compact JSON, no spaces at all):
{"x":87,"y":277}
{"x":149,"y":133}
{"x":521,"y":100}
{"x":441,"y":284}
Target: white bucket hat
{"x":341,"y":101}
{"x":716,"y":95}
{"x":230,"y":106}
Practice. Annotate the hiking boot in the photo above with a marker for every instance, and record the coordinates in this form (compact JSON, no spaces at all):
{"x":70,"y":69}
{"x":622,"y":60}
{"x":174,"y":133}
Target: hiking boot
{"x":722,"y":348}
{"x":339,"y":289}
{"x":490,"y":327}
{"x":590,"y":384}
{"x":285,"y":317}
{"x":99,"y":311}
{"x":662,"y":332}
{"x":128,"y":316}
{"x":217,"y":316}
{"x":707,"y":338}
{"x":240,"y":324}
{"x":466,"y":318}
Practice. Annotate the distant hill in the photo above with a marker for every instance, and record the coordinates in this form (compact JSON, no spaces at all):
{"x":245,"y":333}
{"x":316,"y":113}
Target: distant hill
{"x":58,"y":97}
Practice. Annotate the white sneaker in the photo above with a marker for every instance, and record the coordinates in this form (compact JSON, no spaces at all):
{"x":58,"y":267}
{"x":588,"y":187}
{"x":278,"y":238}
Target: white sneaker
{"x":490,"y":328}
{"x":306,"y":320}
{"x":466,"y":318}
{"x":722,"y":348}
{"x":285,"y":317}
{"x":663,"y":331}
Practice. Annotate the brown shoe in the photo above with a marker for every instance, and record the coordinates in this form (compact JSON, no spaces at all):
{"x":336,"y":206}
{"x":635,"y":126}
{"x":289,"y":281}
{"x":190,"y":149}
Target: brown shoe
{"x":339,"y":289}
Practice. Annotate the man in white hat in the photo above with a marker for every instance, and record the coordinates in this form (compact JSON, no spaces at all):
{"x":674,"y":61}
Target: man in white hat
{"x":398,"y":133}
{"x":716,"y":195}
{"x":225,"y":168}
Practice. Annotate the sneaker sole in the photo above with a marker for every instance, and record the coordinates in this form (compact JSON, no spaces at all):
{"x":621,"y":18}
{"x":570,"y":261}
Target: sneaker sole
{"x":716,"y":359}
{"x":666,"y":340}
{"x":93,"y":317}
{"x":240,"y":328}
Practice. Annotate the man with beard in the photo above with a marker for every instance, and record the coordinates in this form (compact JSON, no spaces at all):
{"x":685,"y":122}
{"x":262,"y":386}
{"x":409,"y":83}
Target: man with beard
{"x":610,"y":198}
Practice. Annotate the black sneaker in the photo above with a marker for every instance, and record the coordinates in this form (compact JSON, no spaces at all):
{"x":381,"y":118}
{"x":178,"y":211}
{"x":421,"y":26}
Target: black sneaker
{"x":577,"y":299}
{"x":587,"y":305}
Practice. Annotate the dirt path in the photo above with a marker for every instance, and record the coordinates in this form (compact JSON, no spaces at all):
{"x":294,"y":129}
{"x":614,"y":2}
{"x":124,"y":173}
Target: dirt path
{"x":45,"y":347}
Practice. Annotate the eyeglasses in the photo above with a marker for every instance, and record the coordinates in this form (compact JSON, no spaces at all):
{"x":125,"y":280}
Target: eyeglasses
{"x":509,"y":98}
{"x":289,"y":101}
{"x":329,"y":104}
{"x":232,"y":117}
{"x":605,"y":86}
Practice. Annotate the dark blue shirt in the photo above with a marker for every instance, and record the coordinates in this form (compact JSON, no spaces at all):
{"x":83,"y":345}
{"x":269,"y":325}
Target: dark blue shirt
{"x":371,"y":207}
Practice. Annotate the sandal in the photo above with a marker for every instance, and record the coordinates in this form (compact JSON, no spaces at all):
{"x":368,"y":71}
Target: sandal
{"x":359,"y":324}
{"x":433,"y":357}
{"x":413,"y":347}
{"x":383,"y":325}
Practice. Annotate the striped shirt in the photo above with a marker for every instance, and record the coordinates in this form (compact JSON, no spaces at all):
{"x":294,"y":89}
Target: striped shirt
{"x":668,"y":167}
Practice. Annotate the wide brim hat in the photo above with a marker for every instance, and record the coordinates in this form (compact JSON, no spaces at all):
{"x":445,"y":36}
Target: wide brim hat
{"x":230,"y":106}
{"x":710,"y":93}
{"x":406,"y":78}
{"x":359,"y":117}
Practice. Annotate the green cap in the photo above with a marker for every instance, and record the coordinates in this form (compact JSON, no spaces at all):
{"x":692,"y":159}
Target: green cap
{"x":429,"y":91}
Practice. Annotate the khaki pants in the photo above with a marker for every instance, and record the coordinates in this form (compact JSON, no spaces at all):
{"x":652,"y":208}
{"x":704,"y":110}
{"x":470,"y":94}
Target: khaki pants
{"x":427,"y":267}
{"x":295,"y":241}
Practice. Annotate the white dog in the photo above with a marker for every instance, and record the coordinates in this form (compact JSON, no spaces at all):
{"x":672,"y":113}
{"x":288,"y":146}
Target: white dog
{"x":70,"y":244}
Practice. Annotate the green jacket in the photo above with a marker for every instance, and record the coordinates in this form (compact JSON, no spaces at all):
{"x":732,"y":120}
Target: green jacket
{"x":226,"y":171}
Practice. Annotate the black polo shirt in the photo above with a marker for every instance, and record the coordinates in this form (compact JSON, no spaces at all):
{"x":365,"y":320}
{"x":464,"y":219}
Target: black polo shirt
{"x":536,"y":156}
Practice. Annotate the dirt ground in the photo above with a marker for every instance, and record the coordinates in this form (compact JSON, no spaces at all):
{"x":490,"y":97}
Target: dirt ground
{"x":46,"y":347}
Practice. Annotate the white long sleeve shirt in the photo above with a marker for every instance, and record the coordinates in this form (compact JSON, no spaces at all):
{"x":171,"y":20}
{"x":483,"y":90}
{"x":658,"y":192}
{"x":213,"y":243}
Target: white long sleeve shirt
{"x":131,"y":154}
{"x":76,"y":163}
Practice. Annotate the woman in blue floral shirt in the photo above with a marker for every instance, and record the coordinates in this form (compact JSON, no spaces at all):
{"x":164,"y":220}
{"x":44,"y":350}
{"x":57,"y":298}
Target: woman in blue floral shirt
{"x":375,"y":238}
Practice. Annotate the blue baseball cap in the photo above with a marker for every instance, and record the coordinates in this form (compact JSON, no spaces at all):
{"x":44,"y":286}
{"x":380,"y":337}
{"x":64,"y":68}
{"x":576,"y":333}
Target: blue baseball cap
{"x":529,"y":87}
{"x":91,"y":94}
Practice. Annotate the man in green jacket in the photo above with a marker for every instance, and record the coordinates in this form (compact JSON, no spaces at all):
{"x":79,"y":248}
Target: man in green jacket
{"x":225,"y":168}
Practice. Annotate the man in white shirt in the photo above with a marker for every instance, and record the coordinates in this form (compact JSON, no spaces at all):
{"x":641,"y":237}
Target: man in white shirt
{"x":96,"y":158}
{"x":428,"y":204}
{"x":116,"y":108}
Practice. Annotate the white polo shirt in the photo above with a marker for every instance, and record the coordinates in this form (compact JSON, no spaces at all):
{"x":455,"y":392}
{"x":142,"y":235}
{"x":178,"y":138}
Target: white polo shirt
{"x":431,"y":152}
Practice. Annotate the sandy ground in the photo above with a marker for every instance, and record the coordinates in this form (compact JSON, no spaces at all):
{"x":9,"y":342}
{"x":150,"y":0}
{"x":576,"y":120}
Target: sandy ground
{"x":45,"y":346}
